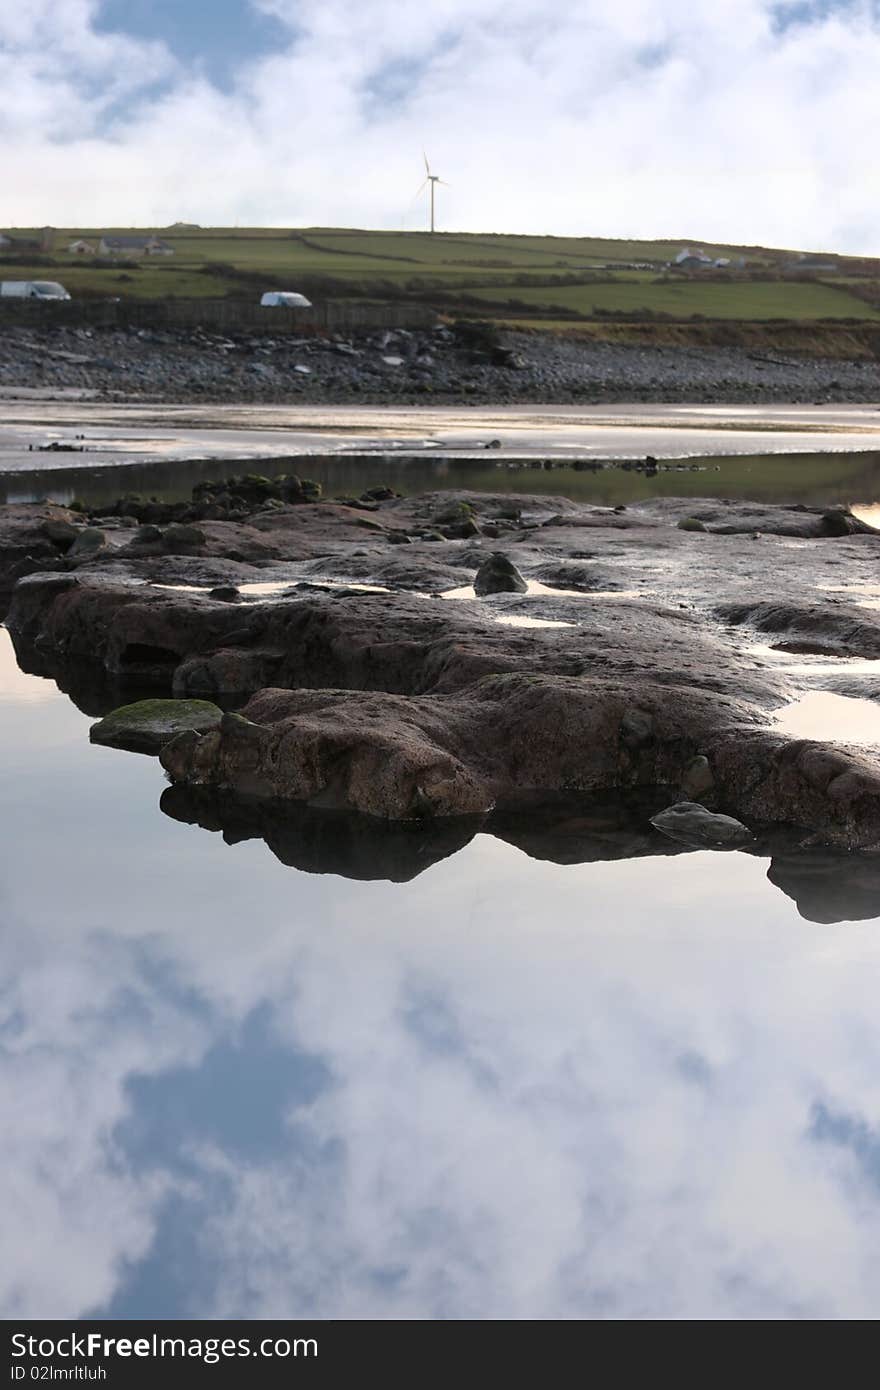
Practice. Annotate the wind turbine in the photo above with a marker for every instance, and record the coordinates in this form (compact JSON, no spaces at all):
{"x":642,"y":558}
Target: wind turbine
{"x":431,"y":181}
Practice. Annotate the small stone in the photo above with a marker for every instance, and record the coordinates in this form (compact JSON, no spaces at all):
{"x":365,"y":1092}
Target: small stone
{"x":498,"y":575}
{"x":60,"y":532}
{"x":691,"y":823}
{"x":179,"y":536}
{"x":88,"y":542}
{"x":147,"y":535}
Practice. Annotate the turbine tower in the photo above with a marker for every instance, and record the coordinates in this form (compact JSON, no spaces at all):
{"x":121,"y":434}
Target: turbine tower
{"x":431,"y":181}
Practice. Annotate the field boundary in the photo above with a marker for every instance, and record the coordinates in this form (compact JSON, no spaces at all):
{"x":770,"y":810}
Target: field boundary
{"x":225,"y":315}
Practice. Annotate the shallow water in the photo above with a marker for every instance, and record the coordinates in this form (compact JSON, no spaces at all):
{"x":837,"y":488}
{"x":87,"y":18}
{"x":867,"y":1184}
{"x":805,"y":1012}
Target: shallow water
{"x":129,"y":432}
{"x":814,"y":479}
{"x":505,"y":1088}
{"x":820,"y":714}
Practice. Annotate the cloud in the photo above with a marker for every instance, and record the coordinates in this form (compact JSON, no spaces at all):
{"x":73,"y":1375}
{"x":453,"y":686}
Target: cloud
{"x":744,"y":120}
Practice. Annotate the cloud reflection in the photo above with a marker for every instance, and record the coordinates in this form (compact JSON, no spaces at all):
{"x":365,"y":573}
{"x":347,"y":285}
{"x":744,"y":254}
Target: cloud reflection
{"x":503,"y":1089}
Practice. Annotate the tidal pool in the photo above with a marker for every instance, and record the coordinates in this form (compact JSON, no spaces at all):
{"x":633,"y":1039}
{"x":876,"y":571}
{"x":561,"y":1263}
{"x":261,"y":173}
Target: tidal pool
{"x":814,"y":479}
{"x":507,"y":1088}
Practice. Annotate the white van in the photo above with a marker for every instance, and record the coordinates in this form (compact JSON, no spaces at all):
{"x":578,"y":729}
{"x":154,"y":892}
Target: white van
{"x":284,"y":299}
{"x":32,"y":289}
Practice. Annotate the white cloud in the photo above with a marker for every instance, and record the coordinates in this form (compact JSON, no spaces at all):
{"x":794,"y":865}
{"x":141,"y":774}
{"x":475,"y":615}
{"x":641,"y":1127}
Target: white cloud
{"x":632,"y":118}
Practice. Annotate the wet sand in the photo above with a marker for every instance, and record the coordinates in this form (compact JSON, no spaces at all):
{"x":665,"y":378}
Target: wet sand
{"x":118,"y":434}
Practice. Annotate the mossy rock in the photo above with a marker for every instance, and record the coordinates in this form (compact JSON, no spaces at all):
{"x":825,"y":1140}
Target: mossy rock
{"x":690,"y":523}
{"x":147,"y":725}
{"x":89,"y":541}
{"x":179,"y":538}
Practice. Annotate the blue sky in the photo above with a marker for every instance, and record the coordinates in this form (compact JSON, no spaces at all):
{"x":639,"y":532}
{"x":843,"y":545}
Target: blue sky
{"x":216,"y":36}
{"x":743,"y":121}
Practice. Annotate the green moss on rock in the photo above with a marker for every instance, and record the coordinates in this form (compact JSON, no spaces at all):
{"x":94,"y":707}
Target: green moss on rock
{"x":147,"y":725}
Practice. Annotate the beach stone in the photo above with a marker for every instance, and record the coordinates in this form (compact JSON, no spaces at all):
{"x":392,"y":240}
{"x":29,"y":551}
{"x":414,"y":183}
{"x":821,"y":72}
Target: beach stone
{"x":498,"y":575}
{"x":88,"y":542}
{"x":179,"y":536}
{"x":691,"y":823}
{"x":147,"y":725}
{"x":60,"y":532}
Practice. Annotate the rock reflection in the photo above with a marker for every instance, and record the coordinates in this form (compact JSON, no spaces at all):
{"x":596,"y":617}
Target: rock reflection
{"x":829,"y":887}
{"x":826,"y":886}
{"x":319,"y":841}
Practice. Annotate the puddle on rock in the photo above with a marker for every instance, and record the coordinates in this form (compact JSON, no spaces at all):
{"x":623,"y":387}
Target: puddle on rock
{"x":277,"y":588}
{"x":517,"y":620}
{"x":824,"y":665}
{"x":832,"y":719}
{"x":265,"y":588}
{"x":538,"y":590}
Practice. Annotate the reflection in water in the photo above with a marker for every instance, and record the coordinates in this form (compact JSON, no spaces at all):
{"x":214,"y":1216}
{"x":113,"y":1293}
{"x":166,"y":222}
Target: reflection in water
{"x":819,"y":480}
{"x":837,"y":718}
{"x":869,"y":512}
{"x":506,"y":1088}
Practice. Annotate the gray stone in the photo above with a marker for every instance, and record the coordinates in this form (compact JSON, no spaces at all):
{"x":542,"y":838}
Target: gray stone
{"x":691,"y":823}
{"x":179,"y":537}
{"x":60,"y":532}
{"x":88,"y":542}
{"x":498,"y":575}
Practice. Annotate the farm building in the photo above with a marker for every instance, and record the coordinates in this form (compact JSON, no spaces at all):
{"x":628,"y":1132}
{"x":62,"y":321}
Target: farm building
{"x":692,"y":260}
{"x":134,"y":246}
{"x":82,"y":248}
{"x":18,"y":243}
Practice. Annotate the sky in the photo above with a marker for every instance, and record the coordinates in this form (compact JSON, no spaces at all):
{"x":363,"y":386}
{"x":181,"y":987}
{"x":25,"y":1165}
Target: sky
{"x":745,"y":121}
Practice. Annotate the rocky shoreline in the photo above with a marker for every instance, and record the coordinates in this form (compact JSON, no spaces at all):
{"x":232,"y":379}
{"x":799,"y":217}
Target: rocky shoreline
{"x":434,"y":659}
{"x":464,"y":364}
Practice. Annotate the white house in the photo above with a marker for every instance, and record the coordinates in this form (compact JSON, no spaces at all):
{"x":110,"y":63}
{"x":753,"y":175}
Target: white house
{"x":689,"y":258}
{"x":132,"y":246}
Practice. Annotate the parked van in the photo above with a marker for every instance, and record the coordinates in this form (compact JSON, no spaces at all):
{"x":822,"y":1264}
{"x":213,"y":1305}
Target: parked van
{"x":32,"y":289}
{"x":284,"y":299}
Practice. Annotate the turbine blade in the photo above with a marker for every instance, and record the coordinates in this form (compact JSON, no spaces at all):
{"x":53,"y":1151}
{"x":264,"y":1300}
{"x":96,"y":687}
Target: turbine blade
{"x":427,"y":165}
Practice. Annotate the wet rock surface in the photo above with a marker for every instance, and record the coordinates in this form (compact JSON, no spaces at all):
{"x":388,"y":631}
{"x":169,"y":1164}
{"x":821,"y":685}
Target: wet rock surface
{"x":648,"y":666}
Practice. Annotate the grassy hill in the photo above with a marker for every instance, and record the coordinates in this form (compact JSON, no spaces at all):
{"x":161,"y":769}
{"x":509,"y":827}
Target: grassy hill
{"x":554,"y":281}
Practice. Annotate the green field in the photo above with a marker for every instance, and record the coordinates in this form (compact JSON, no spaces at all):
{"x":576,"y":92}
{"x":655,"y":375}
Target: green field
{"x":753,"y":301}
{"x":503,"y":276}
